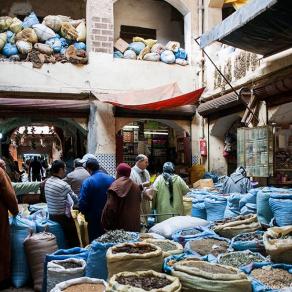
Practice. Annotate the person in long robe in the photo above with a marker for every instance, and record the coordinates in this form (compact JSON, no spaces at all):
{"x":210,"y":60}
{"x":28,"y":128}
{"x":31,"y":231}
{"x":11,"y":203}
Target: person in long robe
{"x":8,"y":202}
{"x":170,"y":189}
{"x":122,"y":209}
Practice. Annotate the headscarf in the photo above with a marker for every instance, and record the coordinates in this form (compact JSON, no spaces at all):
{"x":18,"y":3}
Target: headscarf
{"x":124,"y":169}
{"x":168,"y":171}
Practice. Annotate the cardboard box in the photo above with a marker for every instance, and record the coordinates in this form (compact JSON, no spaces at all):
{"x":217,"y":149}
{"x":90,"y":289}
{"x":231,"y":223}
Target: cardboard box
{"x":121,"y":45}
{"x":203,"y":183}
{"x":216,"y":3}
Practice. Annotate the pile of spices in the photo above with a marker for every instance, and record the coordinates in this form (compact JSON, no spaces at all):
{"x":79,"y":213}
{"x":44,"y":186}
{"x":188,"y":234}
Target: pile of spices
{"x":70,"y":265}
{"x":145,"y":282}
{"x":115,"y":236}
{"x":207,"y":267}
{"x":249,"y":236}
{"x":86,"y":287}
{"x":273,"y":278}
{"x":237,"y":259}
{"x":190,"y":232}
{"x":209,"y":246}
{"x":140,"y":249}
{"x":165,"y":245}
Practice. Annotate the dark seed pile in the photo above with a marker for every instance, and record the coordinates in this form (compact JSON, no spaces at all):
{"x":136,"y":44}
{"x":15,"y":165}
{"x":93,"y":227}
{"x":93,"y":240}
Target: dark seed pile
{"x":115,"y":236}
{"x":70,"y":265}
{"x":145,"y":282}
{"x":141,"y":249}
{"x":249,"y":236}
{"x":165,"y":246}
{"x":209,"y":245}
{"x":238,"y":259}
{"x":209,"y":268}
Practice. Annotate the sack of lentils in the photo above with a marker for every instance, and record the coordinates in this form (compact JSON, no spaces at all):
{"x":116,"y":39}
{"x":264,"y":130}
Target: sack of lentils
{"x":144,"y":281}
{"x":197,"y":276}
{"x":231,"y":227}
{"x":269,"y":277}
{"x":238,"y":259}
{"x":168,"y":247}
{"x":278,"y":244}
{"x":132,"y":257}
{"x":83,"y":284}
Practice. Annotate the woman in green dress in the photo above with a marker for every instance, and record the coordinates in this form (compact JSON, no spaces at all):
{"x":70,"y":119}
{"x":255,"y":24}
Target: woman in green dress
{"x":170,"y":189}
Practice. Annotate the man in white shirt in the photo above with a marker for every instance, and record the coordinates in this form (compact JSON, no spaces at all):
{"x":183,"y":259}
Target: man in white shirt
{"x":141,"y":176}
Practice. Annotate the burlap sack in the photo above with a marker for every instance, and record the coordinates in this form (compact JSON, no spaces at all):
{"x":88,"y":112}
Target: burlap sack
{"x":199,"y":276}
{"x":175,"y":285}
{"x":177,"y":247}
{"x":126,"y":262}
{"x":81,"y":227}
{"x":280,"y":249}
{"x":240,"y":224}
{"x":36,"y":247}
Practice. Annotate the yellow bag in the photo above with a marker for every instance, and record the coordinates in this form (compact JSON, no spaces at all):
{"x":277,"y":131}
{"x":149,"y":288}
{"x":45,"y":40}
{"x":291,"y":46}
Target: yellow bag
{"x":3,"y":39}
{"x":28,"y":35}
{"x":5,"y":22}
{"x":131,"y":262}
{"x":148,"y":43}
{"x":68,"y":31}
{"x":188,"y":205}
{"x":16,"y":25}
{"x":81,"y":227}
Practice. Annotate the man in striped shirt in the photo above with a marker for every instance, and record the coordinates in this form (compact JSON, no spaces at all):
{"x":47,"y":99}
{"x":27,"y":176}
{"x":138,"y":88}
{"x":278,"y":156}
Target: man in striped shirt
{"x":58,"y":194}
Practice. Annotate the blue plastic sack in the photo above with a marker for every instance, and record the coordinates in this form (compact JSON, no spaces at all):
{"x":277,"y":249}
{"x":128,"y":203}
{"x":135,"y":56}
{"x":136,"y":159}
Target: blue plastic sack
{"x":20,"y":228}
{"x":10,"y":37}
{"x":36,"y":207}
{"x":232,"y":208}
{"x":182,"y":239}
{"x":250,"y":198}
{"x":30,"y":20}
{"x":258,"y":286}
{"x":96,"y":264}
{"x":55,"y":44}
{"x":282,"y":210}
{"x":9,"y":50}
{"x":209,"y":175}
{"x":248,"y":209}
{"x":137,"y":47}
{"x":118,"y":54}
{"x":215,"y":208}
{"x":168,"y":262}
{"x":264,"y":212}
{"x":64,"y":42}
{"x":199,"y":209}
{"x":252,"y":245}
{"x":80,"y":46}
{"x":181,"y":54}
{"x":167,"y":57}
{"x":209,"y":257}
{"x":63,"y":254}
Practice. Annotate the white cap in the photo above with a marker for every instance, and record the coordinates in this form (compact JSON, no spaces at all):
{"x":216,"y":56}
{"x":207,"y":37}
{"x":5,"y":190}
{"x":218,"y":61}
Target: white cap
{"x":86,"y":157}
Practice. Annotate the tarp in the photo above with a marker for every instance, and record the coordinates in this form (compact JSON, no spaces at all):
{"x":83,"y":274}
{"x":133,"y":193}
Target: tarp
{"x":262,"y":26}
{"x":163,"y":97}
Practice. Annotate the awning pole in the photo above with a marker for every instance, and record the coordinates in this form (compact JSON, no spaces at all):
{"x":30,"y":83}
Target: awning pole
{"x":233,"y":89}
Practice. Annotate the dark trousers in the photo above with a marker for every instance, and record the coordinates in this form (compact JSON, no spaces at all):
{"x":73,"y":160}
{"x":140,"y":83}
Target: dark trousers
{"x":69,"y":228}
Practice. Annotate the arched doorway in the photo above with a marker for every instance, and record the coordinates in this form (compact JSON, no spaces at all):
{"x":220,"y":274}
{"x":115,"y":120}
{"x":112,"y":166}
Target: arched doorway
{"x":160,"y":140}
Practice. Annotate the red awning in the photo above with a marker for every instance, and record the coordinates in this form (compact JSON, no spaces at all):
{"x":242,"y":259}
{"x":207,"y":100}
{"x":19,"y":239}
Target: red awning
{"x":163,"y":97}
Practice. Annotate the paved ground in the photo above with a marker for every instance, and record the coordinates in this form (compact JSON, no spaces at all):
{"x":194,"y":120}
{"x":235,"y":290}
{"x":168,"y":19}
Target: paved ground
{"x":18,"y":290}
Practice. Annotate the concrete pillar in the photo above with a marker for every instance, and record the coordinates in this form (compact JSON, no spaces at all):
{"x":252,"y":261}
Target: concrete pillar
{"x":101,"y":139}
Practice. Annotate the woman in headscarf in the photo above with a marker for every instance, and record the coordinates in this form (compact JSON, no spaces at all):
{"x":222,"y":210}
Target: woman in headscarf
{"x":170,"y":189}
{"x":122,"y":209}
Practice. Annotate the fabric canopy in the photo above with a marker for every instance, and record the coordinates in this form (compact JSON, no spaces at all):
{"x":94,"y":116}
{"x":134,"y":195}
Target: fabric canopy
{"x":263,"y":27}
{"x":163,"y":97}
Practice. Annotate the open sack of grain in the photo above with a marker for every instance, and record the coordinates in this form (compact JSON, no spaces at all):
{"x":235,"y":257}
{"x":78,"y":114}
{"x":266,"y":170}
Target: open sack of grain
{"x":168,"y":247}
{"x":144,"y":281}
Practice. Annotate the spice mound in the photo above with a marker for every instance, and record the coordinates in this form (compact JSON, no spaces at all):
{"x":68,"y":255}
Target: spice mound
{"x":86,"y":287}
{"x":273,"y":278}
{"x":190,"y":232}
{"x":164,"y":245}
{"x":115,"y":236}
{"x":249,"y":236}
{"x":145,"y":282}
{"x":238,"y":259}
{"x":70,"y":265}
{"x":141,"y":249}
{"x":208,"y":268}
{"x":209,"y":245}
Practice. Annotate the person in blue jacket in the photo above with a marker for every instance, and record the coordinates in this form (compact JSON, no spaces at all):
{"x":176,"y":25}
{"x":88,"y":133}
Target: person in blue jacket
{"x":93,"y":196}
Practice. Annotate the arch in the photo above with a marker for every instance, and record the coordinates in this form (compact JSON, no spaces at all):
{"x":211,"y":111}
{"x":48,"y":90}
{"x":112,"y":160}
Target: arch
{"x":178,"y":4}
{"x":221,"y":126}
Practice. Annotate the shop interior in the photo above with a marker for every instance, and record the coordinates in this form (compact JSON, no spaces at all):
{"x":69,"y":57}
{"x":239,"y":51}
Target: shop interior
{"x":158,"y":141}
